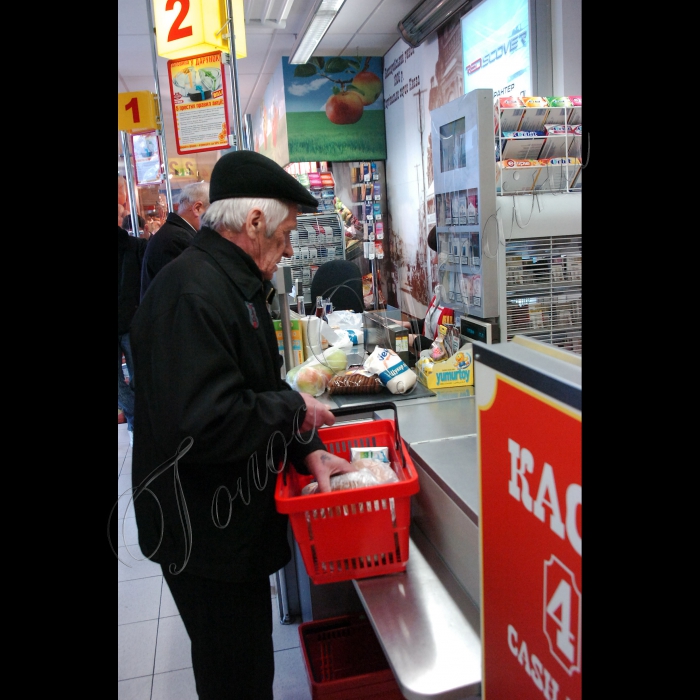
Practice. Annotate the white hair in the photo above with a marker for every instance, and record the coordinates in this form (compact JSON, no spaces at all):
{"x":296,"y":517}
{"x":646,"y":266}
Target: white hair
{"x":194,"y":192}
{"x":230,"y":214}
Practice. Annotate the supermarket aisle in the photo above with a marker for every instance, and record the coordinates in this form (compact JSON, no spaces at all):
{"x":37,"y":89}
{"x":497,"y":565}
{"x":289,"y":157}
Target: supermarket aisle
{"x":154,"y":650}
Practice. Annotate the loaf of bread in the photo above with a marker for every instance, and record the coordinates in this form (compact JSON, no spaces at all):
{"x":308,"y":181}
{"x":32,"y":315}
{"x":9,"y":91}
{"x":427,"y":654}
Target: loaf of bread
{"x":357,"y":381}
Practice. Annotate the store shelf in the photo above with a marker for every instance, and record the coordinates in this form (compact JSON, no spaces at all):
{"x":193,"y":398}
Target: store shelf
{"x":317,"y":239}
{"x":539,"y":148}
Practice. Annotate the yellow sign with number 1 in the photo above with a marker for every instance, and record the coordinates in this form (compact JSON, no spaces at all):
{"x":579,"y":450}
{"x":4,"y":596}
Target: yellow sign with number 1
{"x":137,"y":111}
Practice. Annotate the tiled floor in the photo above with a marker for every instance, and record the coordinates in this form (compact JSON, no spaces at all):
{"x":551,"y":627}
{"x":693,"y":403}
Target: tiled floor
{"x":154,"y":649}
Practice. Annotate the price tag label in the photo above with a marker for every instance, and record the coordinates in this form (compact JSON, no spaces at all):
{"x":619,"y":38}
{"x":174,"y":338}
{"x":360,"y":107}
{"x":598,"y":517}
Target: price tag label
{"x":137,"y":111}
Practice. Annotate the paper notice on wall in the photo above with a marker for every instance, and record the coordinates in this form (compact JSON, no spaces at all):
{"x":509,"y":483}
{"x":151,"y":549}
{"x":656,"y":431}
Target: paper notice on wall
{"x":198,"y":95}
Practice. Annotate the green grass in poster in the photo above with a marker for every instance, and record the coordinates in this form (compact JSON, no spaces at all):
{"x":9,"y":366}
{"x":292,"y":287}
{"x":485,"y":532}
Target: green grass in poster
{"x":312,"y":136}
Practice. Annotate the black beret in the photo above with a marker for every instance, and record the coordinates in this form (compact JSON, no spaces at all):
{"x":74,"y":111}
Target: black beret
{"x":432,"y":238}
{"x":251,"y":174}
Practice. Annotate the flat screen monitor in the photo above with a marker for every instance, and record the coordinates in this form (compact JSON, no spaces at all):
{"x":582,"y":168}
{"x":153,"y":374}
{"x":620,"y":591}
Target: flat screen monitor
{"x":452,"y":147}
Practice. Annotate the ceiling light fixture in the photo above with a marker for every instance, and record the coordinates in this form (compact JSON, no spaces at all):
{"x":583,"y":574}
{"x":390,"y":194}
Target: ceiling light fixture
{"x":316,"y":26}
{"x":427,"y":17}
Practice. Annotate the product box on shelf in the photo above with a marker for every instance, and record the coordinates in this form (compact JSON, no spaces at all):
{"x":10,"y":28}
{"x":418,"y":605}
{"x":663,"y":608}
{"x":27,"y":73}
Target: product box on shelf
{"x":297,"y":352}
{"x":455,"y":371}
{"x":521,"y":148}
{"x":511,"y":113}
{"x":559,"y":108}
{"x":535,"y":116}
{"x":517,"y":175}
{"x":575,"y":111}
{"x":557,"y":174}
{"x":562,"y":140}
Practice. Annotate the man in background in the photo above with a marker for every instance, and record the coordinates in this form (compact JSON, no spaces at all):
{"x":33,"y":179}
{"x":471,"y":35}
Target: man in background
{"x":177,"y":231}
{"x":129,"y":260}
{"x":143,"y":231}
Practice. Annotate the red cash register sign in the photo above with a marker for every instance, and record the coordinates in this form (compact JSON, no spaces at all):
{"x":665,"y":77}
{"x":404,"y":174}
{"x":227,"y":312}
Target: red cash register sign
{"x":530,"y":527}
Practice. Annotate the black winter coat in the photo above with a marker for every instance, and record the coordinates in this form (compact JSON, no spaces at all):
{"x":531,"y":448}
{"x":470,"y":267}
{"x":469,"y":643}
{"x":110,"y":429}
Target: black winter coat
{"x":163,"y":246}
{"x":208,"y":363}
{"x":130,"y":258}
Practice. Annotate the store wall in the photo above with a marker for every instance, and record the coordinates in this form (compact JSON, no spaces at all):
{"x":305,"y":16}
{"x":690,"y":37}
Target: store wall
{"x":566,"y":47}
{"x":416,"y":81}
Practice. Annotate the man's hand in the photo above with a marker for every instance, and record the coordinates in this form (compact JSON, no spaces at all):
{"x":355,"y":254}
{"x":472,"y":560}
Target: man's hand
{"x":317,"y":414}
{"x":323,"y":465}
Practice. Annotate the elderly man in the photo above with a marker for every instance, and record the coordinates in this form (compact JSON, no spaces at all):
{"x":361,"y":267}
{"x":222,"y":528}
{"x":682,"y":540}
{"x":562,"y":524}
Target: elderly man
{"x":177,"y":232}
{"x":216,"y":422}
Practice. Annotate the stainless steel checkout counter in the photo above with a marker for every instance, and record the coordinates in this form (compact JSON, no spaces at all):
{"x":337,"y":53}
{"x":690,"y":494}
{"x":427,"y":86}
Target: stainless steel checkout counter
{"x":426,"y":618}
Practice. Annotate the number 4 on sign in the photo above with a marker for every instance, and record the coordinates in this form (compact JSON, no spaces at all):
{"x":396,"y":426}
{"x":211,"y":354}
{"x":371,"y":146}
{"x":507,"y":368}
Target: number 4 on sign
{"x":137,"y":111}
{"x":562,"y":615}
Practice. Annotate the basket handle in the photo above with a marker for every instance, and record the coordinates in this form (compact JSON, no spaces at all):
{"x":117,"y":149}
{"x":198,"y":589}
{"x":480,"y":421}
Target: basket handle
{"x":351,"y":410}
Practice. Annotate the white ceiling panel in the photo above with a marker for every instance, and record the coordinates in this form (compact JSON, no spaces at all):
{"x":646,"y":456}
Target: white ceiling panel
{"x":132,"y":17}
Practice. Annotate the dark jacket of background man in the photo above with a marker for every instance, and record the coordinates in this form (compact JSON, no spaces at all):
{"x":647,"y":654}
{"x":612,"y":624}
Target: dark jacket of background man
{"x":130,"y":252}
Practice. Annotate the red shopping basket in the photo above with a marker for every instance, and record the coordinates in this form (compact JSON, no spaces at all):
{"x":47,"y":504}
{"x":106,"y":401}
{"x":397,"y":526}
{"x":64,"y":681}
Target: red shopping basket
{"x":354,"y":533}
{"x":344,"y":660}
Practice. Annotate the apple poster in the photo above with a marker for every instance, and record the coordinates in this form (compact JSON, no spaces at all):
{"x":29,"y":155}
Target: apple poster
{"x":335,"y":108}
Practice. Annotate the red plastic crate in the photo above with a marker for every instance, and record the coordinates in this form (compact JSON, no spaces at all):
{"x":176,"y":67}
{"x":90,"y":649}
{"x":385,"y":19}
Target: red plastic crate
{"x":355,"y":533}
{"x":344,"y":660}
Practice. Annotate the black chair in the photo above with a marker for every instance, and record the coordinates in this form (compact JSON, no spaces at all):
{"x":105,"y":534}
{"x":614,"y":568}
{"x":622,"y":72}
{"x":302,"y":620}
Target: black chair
{"x":341,"y":282}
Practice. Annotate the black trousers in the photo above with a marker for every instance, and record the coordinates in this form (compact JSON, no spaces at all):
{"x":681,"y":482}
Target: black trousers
{"x":230,"y":628}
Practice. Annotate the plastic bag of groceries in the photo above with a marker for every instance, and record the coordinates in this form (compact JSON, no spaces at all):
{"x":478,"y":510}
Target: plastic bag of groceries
{"x":312,"y":375}
{"x":370,"y":472}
